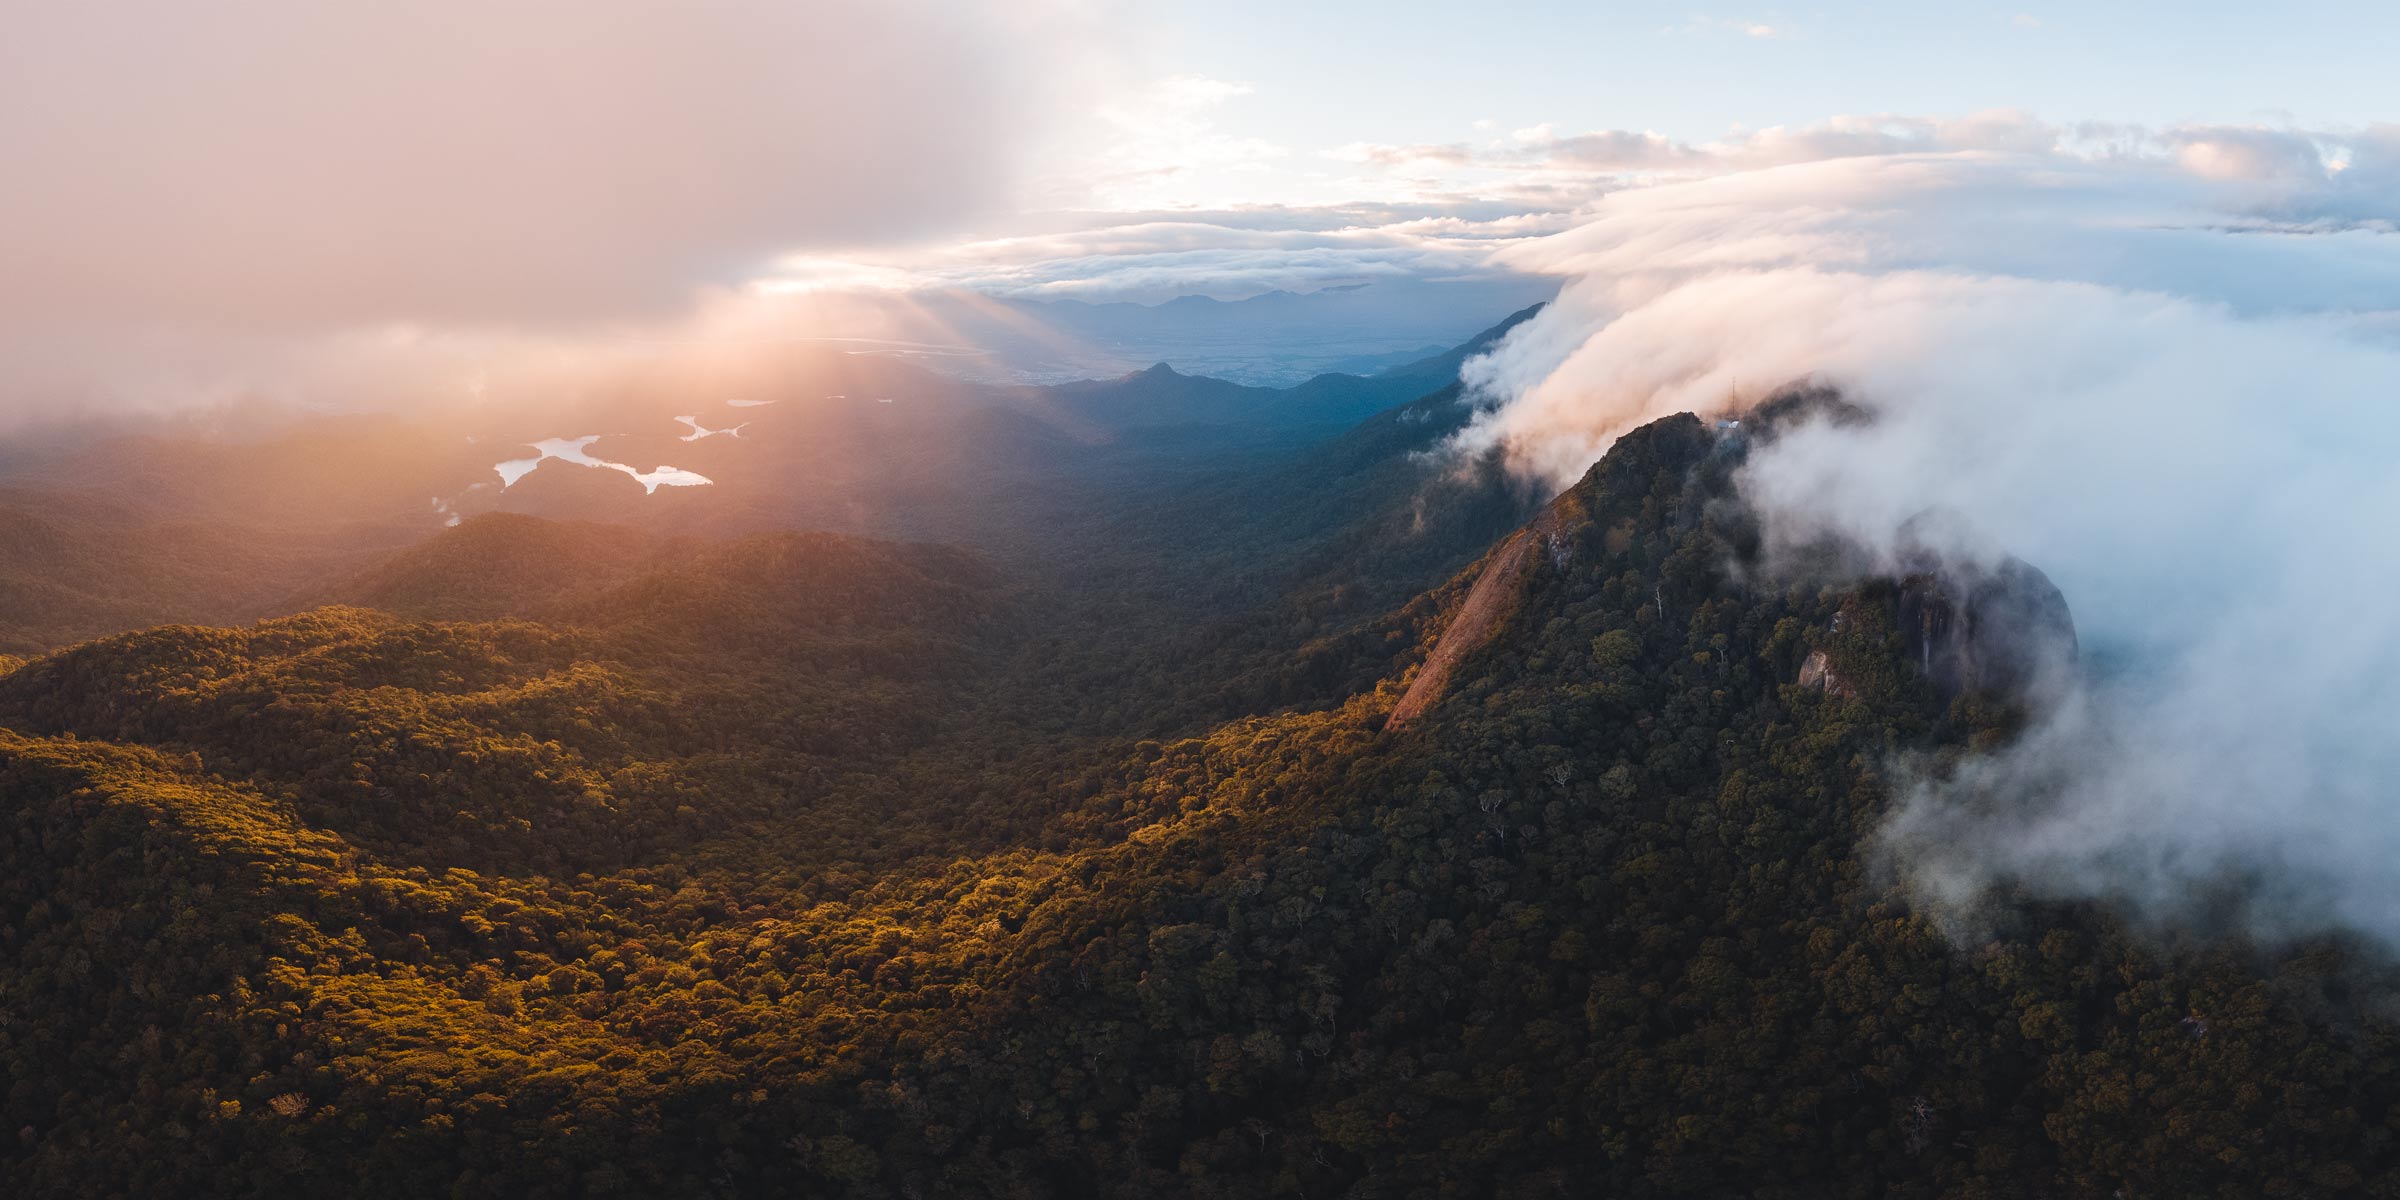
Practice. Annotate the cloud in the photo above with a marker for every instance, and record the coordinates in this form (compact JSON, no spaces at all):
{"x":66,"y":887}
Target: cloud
{"x":1607,"y":150}
{"x":1760,"y":30}
{"x":277,"y":160}
{"x":208,"y":176}
{"x":1624,"y":151}
{"x":1160,"y":142}
{"x":2258,"y":155}
{"x":1419,"y":154}
{"x":2166,"y":376}
{"x":1454,"y":208}
{"x":1579,"y":167}
{"x":1153,"y":256}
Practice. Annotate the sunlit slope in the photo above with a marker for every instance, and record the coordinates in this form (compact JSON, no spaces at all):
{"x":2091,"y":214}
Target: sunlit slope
{"x":576,"y":743}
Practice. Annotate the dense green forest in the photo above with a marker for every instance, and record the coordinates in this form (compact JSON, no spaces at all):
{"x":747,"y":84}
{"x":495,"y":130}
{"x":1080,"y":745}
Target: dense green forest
{"x":798,"y":864}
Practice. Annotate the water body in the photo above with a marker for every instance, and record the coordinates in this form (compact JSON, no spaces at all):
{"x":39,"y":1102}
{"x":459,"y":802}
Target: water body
{"x":664,"y":476}
{"x":700,"y":431}
{"x":578,"y":451}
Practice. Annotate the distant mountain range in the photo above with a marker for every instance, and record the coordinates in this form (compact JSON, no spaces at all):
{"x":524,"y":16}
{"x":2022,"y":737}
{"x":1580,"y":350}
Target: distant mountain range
{"x":854,"y":443}
{"x":1273,"y":339}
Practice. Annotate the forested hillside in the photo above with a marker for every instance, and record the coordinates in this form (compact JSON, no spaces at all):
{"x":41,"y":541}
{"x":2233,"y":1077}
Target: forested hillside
{"x":78,"y":567}
{"x":797,"y":864}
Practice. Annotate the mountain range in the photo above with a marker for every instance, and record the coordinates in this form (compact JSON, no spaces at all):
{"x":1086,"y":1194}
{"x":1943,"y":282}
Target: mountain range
{"x":1152,"y":786}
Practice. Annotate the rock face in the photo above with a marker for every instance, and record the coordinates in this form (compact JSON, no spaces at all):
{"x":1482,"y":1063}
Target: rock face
{"x":1994,"y":631}
{"x":1491,"y":599}
{"x":1962,"y":627}
{"x":1976,"y":619}
{"x":1817,"y":672}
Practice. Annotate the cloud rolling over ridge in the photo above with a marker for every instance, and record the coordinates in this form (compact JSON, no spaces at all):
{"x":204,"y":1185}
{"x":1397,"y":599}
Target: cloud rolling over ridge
{"x":2167,"y":378}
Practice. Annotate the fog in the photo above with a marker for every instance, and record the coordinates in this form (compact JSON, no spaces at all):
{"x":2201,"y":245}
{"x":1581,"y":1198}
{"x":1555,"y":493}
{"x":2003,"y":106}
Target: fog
{"x":2165,"y":376}
{"x":204,"y":199}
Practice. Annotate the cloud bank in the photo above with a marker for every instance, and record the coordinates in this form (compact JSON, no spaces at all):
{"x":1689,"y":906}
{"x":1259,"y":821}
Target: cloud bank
{"x":2163,"y":369}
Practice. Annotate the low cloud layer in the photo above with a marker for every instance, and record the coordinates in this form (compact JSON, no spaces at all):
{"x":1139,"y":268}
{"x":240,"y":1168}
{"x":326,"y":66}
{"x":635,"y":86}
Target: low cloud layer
{"x":2162,"y":369}
{"x":1152,"y":256}
{"x":1483,"y":210}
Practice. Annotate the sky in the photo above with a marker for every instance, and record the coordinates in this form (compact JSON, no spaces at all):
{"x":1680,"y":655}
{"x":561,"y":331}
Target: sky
{"x":1416,"y":72}
{"x":248,"y":168}
{"x":1344,"y":74}
{"x":341,"y":205}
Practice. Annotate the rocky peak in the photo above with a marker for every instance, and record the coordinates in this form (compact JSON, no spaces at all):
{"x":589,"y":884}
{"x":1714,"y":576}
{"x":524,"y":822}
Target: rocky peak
{"x":1966,"y":617}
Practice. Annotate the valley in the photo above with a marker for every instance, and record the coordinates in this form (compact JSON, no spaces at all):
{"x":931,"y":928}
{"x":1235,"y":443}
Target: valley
{"x":1290,"y":826}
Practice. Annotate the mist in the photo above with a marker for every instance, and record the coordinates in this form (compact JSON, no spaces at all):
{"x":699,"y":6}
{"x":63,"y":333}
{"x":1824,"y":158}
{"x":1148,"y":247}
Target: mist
{"x":2163,"y":375}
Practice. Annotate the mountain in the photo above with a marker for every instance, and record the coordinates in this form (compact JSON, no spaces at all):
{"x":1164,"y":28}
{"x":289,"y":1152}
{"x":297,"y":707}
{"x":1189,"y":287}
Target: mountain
{"x":1315,"y":408}
{"x":1274,"y":339}
{"x":779,"y":863}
